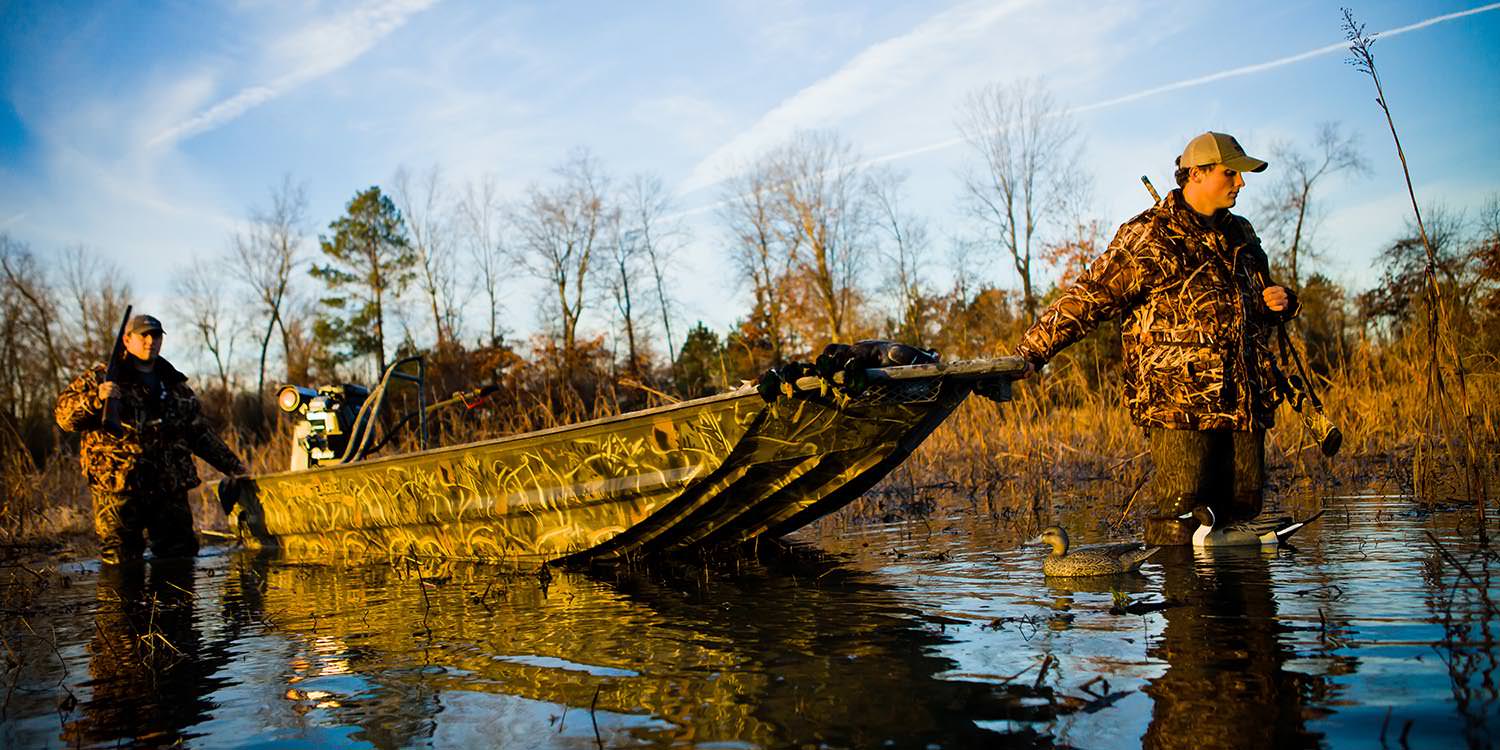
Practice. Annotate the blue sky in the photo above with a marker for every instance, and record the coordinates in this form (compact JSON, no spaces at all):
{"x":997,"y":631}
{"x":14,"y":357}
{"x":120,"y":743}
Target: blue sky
{"x":147,"y":131}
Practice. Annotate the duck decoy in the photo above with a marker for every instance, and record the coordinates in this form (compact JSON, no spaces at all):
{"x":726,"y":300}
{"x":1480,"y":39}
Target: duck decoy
{"x":1261,"y":531}
{"x":1092,"y":561}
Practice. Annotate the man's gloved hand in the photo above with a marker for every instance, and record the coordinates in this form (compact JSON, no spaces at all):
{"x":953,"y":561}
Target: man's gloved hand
{"x":230,"y":489}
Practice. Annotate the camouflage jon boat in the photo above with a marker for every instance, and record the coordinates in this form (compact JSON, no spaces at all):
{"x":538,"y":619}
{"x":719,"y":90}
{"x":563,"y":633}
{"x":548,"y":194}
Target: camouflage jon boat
{"x":713,"y":471}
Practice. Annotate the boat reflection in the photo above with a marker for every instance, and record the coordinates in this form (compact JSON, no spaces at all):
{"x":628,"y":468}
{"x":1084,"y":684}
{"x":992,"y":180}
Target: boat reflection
{"x":780,"y":654}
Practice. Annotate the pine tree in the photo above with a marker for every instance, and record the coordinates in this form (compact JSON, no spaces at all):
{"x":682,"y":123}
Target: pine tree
{"x":370,"y":262}
{"x":700,"y":363}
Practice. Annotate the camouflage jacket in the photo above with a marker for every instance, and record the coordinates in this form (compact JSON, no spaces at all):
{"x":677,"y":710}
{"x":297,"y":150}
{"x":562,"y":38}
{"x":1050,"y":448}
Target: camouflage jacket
{"x":162,"y":431}
{"x":1196,"y":332}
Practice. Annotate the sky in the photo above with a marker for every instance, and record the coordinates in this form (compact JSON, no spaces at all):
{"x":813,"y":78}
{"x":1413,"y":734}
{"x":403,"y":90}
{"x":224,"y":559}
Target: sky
{"x":148,"y":132}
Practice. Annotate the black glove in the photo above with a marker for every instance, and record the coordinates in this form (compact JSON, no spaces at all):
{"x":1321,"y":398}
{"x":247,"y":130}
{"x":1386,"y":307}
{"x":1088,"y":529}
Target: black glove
{"x":230,"y":489}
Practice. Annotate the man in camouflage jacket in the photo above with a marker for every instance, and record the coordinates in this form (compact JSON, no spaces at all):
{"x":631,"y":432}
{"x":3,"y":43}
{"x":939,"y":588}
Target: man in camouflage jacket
{"x":1199,"y":310}
{"x":140,"y":473}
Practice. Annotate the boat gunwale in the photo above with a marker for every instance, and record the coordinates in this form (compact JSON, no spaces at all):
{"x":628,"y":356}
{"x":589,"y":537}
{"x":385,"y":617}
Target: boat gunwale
{"x":487,"y":442}
{"x":1004,"y":366}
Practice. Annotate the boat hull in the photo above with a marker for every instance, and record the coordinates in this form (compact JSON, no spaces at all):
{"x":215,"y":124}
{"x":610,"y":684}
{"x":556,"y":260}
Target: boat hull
{"x":720,"y":470}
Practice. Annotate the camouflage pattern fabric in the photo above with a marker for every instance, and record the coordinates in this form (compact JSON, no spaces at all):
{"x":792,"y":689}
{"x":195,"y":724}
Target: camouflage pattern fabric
{"x":162,"y":431}
{"x":120,"y":519}
{"x":140,"y":477}
{"x":1197,"y":335}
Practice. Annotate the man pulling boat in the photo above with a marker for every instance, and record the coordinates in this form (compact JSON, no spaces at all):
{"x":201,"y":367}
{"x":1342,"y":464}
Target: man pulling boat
{"x":1192,"y":286}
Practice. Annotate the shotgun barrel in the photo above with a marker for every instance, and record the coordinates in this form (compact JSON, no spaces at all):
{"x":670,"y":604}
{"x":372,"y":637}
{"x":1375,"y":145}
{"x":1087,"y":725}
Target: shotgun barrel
{"x":112,"y":422}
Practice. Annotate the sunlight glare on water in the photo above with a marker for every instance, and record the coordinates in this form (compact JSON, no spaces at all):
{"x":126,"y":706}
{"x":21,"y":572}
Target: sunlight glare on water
{"x":937,"y":632}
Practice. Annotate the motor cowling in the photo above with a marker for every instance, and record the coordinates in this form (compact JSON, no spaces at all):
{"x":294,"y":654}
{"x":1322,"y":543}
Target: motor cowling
{"x":325,"y":417}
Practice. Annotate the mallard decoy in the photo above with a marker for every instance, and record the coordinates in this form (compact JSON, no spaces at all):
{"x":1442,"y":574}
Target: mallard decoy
{"x":1261,"y":531}
{"x":1093,"y":561}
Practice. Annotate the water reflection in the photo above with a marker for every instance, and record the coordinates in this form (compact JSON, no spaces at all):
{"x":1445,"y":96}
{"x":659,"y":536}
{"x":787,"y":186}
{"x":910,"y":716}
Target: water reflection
{"x":150,"y":671}
{"x":922,"y":634}
{"x":1226,"y":682}
{"x":794,"y":653}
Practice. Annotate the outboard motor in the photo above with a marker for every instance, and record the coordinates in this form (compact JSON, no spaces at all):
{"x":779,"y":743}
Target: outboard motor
{"x":328,"y":415}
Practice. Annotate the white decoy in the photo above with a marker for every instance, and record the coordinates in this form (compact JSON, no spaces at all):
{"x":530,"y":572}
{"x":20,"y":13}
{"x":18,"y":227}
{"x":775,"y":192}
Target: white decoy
{"x":1260,"y":531}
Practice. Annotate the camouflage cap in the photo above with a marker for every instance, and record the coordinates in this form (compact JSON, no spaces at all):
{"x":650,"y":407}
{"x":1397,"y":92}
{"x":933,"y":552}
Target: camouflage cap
{"x":1219,"y":148}
{"x":142,"y":324}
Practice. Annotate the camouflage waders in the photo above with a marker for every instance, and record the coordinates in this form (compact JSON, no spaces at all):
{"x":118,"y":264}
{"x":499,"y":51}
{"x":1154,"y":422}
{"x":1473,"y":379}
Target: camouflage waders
{"x":1224,"y":469}
{"x":120,"y":520}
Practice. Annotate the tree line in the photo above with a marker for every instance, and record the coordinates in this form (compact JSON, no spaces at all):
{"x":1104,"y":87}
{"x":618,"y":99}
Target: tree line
{"x":822,"y":242}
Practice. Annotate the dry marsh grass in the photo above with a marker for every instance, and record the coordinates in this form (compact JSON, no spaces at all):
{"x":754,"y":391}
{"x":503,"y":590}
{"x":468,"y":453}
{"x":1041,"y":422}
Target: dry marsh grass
{"x":1062,"y":444}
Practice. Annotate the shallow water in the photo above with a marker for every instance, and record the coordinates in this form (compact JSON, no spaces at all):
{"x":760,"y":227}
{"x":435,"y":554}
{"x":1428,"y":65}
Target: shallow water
{"x":929,"y":633}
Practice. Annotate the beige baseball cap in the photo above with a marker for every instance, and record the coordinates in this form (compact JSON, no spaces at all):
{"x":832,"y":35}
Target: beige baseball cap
{"x":1219,"y":148}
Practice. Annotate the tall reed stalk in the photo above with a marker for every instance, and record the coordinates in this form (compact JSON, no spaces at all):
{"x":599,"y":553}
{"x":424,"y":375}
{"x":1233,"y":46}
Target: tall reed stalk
{"x":1440,"y":342}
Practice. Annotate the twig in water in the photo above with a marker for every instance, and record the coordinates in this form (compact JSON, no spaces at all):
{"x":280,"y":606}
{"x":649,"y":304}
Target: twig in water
{"x":1482,"y":589}
{"x":1042,"y":673}
{"x":598,"y":740}
{"x":1338,"y":593}
{"x":1133,"y":494}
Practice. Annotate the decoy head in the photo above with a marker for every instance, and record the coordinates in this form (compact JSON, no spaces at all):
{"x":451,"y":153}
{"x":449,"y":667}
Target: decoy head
{"x":1054,"y":536}
{"x":1203,"y":514}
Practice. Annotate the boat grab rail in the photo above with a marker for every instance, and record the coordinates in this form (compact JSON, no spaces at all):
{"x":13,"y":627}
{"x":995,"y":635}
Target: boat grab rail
{"x":363,"y":430}
{"x":993,"y":368}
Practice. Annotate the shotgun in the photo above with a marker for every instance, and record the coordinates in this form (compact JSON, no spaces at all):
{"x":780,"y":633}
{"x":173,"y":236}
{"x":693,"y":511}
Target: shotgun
{"x":112,"y":423}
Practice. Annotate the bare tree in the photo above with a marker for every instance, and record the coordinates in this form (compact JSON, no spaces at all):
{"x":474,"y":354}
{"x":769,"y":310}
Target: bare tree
{"x":97,"y":292}
{"x":307,"y":358}
{"x":1027,"y":146}
{"x":559,"y":227}
{"x":644,"y":206}
{"x":33,"y":363}
{"x":626,"y":257}
{"x":31,"y":307}
{"x":429,"y":232}
{"x":197,"y":290}
{"x":266,"y":259}
{"x":749,"y":212}
{"x":906,"y":246}
{"x":825,"y":212}
{"x":1290,"y":208}
{"x":482,"y":214}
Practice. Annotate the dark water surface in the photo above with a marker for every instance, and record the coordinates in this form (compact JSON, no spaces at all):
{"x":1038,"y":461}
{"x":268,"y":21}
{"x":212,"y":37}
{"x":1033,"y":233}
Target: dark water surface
{"x":931,"y":633}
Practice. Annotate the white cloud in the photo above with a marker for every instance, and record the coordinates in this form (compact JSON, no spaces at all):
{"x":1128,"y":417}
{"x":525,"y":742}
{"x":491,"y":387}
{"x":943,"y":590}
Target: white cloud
{"x":693,"y":122}
{"x":916,"y":76}
{"x":886,"y":69}
{"x":306,"y":54}
{"x":866,"y":80}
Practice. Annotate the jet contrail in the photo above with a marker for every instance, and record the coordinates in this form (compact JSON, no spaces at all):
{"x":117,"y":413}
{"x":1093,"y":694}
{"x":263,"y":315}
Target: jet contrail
{"x":1164,"y":88}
